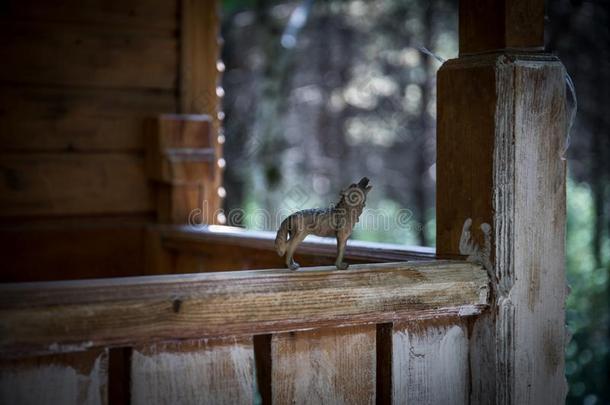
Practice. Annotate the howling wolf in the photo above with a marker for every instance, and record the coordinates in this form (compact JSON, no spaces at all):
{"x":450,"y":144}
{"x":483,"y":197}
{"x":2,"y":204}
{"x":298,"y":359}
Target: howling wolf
{"x":337,"y":221}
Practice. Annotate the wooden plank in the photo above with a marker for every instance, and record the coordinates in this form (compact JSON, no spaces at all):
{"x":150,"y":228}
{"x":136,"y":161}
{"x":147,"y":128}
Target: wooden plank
{"x":37,"y":118}
{"x":86,"y":55}
{"x":199,"y":80}
{"x":67,"y":252}
{"x":73,"y":184}
{"x":507,"y":113}
{"x":74,"y":378}
{"x":127,"y":310}
{"x":197,"y":372}
{"x":327,"y":366}
{"x":199,"y":51}
{"x":430,"y":363}
{"x":488,"y":25}
{"x":144,"y":14}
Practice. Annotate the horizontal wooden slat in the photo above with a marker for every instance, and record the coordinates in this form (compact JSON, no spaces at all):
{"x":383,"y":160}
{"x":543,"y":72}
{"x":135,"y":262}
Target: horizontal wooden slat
{"x":67,"y":251}
{"x":203,"y":241}
{"x":86,"y":55}
{"x":145,"y":14}
{"x":73,"y":184}
{"x":123,"y":311}
{"x":36,"y":118}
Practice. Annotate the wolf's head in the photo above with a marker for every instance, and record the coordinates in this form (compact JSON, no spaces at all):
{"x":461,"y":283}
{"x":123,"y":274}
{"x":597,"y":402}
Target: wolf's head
{"x":355,"y":194}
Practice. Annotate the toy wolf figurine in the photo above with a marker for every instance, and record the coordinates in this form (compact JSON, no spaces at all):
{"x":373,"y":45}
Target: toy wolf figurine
{"x":337,"y":221}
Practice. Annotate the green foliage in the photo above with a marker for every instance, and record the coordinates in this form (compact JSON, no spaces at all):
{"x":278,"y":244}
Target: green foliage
{"x":587,"y":305}
{"x":231,"y":6}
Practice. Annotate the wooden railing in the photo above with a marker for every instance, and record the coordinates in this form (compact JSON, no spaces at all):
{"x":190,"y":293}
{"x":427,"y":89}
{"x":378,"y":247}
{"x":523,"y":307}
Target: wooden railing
{"x":314,"y":335}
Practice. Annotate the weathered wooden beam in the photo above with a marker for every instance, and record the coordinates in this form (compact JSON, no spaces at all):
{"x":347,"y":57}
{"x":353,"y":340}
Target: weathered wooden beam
{"x":501,"y":200}
{"x":73,"y":315}
{"x":491,"y":25}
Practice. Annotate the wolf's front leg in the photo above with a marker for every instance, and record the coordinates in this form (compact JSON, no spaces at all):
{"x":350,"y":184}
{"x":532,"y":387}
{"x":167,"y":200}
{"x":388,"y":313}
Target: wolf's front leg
{"x":341,"y":241}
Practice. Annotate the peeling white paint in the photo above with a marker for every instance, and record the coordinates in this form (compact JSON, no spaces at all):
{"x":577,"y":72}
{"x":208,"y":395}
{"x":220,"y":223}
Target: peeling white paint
{"x":53,"y":384}
{"x":468,"y":310}
{"x":329,"y":367}
{"x":475,"y":253}
{"x":430,"y":364}
{"x":205,"y":374}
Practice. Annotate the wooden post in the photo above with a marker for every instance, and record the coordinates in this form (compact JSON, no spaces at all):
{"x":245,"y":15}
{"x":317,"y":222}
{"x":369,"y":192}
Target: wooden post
{"x":501,"y":184}
{"x":181,"y":159}
{"x":200,"y":69}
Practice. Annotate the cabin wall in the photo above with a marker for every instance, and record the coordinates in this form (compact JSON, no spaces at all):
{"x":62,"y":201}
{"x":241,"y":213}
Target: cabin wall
{"x":80,"y":83}
{"x":78,"y":80}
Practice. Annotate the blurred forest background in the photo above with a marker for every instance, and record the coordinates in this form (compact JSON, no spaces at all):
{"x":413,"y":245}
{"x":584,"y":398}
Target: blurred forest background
{"x":321,"y":93}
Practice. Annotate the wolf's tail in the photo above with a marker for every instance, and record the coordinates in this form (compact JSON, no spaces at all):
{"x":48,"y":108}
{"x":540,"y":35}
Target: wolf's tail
{"x":282,"y":237}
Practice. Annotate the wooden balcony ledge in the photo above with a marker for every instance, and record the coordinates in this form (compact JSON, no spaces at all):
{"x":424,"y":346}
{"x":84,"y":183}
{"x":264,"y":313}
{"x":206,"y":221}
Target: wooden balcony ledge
{"x":76,"y":315}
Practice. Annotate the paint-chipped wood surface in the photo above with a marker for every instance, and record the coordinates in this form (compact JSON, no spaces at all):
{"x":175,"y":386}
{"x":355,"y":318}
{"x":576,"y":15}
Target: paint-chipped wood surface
{"x":214,"y":372}
{"x":63,"y":379}
{"x":506,"y":115}
{"x":430,"y":363}
{"x":327,"y":366}
{"x":126,"y":310}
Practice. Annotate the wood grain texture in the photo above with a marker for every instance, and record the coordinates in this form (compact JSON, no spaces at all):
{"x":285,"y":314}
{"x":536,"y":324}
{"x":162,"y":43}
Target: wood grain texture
{"x":199,"y":51}
{"x":87,"y":55}
{"x":71,"y":251}
{"x":492,"y":25}
{"x":64,"y":379}
{"x":181,"y":159}
{"x":200,"y":79}
{"x":180,"y":148}
{"x":211,"y":372}
{"x":124,"y":311}
{"x":69,"y":184}
{"x":519,"y":189}
{"x":327,"y":366}
{"x":144,"y":14}
{"x":430,"y":363}
{"x":60,"y":119}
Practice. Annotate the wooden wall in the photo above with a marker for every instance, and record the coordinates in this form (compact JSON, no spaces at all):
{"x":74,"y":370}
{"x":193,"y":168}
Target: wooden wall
{"x":79,"y":81}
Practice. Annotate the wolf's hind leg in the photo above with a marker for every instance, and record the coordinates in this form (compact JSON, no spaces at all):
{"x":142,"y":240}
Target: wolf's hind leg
{"x":341,"y":241}
{"x":293,"y":242}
